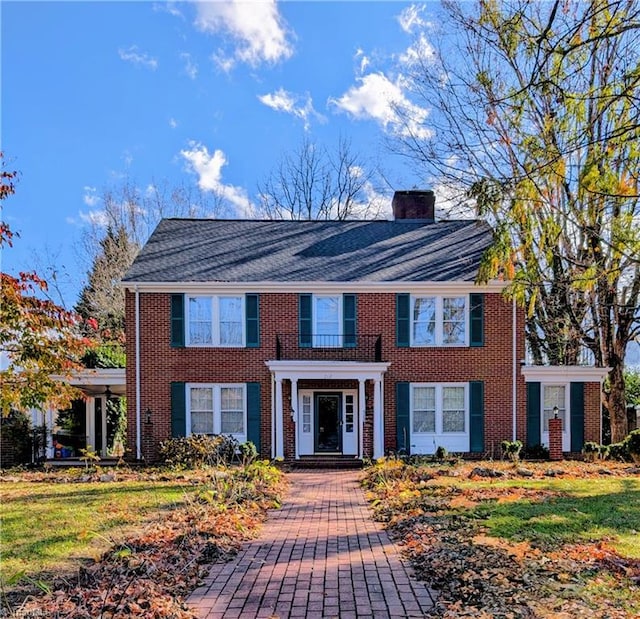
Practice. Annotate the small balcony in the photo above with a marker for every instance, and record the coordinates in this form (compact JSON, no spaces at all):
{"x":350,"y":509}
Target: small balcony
{"x":317,"y":347}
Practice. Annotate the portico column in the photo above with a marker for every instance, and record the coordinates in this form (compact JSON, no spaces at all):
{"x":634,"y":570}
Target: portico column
{"x":279,"y":420}
{"x":362,"y":408}
{"x":378,"y":424}
{"x":294,"y":411}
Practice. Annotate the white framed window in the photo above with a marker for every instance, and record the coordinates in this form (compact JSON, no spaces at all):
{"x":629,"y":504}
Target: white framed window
{"x":217,"y":409}
{"x":215,"y":321}
{"x":327,"y":321}
{"x":439,"y":409}
{"x":554,"y":396}
{"x":439,"y":321}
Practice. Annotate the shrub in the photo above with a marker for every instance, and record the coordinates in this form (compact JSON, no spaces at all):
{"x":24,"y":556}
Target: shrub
{"x":591,"y":451}
{"x":537,"y":452}
{"x":105,"y":356}
{"x":511,"y":449}
{"x":248,"y":453}
{"x":633,"y":445}
{"x":619,"y":452}
{"x":199,"y":450}
{"x":441,"y":453}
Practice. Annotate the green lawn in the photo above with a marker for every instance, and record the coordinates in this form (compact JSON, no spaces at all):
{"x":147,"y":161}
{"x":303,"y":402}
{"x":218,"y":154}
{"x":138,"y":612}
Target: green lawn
{"x":585,"y":510}
{"x":49,"y":526}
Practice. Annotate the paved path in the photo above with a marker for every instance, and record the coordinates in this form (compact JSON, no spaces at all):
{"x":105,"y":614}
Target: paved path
{"x":320,"y":556}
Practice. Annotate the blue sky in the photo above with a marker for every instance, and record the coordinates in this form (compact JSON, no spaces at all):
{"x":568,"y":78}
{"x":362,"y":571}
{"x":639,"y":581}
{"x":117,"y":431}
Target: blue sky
{"x":205,"y":93}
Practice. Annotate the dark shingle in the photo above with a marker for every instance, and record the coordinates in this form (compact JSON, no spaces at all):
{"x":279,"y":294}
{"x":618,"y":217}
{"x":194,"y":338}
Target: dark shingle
{"x":210,"y":250}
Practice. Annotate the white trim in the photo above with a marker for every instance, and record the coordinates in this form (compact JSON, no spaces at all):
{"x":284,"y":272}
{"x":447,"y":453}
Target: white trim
{"x":559,"y":374}
{"x":319,"y":287}
{"x":99,"y":377}
{"x":138,"y":379}
{"x":327,"y":370}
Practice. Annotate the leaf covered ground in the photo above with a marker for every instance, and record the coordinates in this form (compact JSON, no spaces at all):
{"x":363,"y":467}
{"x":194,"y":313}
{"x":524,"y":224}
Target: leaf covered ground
{"x":150,"y":573}
{"x":531,"y":540}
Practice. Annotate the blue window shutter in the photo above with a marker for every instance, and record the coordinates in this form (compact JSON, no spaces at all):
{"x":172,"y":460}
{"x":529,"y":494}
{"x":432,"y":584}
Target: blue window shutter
{"x":533,"y":414}
{"x":349,"y":320}
{"x":177,"y":320}
{"x":305,"y":324}
{"x":476,"y":315}
{"x":254,"y":414}
{"x":252,"y":318}
{"x":476,"y":416}
{"x":403,"y":435}
{"x":178,"y":410}
{"x":403,"y":320}
{"x":576,"y":408}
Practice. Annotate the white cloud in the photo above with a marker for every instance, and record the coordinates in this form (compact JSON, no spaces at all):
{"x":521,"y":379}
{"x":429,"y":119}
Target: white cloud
{"x":135,"y":56}
{"x":90,"y":197}
{"x":283,"y":101}
{"x":410,"y":19}
{"x":378,"y":98}
{"x":208,"y":167}
{"x":190,"y":67}
{"x":419,"y":53}
{"x":364,"y":60}
{"x":95,"y":218}
{"x":173,"y":123}
{"x":257,"y":30}
{"x":168,"y":7}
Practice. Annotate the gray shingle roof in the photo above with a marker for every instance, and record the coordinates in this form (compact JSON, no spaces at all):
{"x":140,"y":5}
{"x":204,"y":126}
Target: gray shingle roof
{"x":213,"y":250}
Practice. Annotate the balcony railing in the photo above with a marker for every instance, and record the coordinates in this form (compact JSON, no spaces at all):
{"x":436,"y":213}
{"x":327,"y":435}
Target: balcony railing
{"x":316,"y":347}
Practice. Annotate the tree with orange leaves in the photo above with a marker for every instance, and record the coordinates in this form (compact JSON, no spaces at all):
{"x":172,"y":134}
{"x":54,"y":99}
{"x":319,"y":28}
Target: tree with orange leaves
{"x":39,"y":340}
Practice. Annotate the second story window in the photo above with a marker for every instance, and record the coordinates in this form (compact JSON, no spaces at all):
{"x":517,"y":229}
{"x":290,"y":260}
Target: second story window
{"x":327,"y":321}
{"x":215,"y":321}
{"x":438,"y":321}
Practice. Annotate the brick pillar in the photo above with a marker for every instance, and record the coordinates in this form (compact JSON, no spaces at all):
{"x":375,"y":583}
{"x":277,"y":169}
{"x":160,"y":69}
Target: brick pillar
{"x":555,"y":439}
{"x":148,"y":442}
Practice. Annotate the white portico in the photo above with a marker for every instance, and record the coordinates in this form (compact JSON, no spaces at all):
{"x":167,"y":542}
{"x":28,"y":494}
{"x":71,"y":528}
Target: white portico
{"x":328,"y":418}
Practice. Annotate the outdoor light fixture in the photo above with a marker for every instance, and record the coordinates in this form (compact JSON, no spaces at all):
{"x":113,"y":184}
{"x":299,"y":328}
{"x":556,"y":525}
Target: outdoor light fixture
{"x":555,"y":412}
{"x":148,"y":415}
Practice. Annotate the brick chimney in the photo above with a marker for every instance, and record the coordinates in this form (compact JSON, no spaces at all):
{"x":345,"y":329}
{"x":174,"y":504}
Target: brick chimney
{"x":414,"y":204}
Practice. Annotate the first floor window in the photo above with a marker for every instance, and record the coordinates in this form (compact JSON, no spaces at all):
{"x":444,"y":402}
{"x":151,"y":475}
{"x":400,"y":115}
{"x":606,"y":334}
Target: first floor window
{"x":439,"y":409}
{"x":217,"y":409}
{"x":554,"y":397}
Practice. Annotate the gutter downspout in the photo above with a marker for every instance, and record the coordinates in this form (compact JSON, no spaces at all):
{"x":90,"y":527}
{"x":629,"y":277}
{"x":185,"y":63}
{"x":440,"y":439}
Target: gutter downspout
{"x":514,"y":371}
{"x":137,"y":381}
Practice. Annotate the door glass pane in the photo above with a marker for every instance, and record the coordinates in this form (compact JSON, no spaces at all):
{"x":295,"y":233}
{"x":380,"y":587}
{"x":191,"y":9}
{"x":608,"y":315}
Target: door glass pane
{"x":306,"y":414}
{"x":424,"y":321}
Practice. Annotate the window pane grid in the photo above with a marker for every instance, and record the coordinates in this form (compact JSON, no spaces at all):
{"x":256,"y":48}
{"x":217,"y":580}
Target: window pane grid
{"x":424,"y":409}
{"x":216,"y":321}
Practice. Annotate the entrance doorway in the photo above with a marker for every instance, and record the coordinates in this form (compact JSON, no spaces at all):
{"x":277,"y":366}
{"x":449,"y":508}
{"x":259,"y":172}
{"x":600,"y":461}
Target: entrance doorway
{"x":328,"y":422}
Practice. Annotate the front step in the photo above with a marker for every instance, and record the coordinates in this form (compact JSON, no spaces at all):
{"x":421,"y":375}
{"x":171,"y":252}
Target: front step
{"x":327,"y":462}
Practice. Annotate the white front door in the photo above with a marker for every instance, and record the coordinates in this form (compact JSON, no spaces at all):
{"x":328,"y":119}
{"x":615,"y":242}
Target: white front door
{"x":327,"y":422}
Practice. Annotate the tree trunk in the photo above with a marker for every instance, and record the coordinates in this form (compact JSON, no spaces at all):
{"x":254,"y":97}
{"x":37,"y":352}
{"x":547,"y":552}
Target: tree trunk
{"x":614,"y":401}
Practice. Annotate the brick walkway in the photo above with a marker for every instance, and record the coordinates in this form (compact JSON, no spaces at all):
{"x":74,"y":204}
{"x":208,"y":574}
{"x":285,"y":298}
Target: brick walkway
{"x":320,"y":556}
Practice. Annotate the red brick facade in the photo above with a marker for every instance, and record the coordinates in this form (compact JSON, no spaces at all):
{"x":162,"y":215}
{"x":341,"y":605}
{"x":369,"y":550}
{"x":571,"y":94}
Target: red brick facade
{"x":492,"y":363}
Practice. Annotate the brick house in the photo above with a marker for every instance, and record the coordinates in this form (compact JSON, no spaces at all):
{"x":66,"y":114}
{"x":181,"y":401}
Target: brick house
{"x":355,"y":338}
